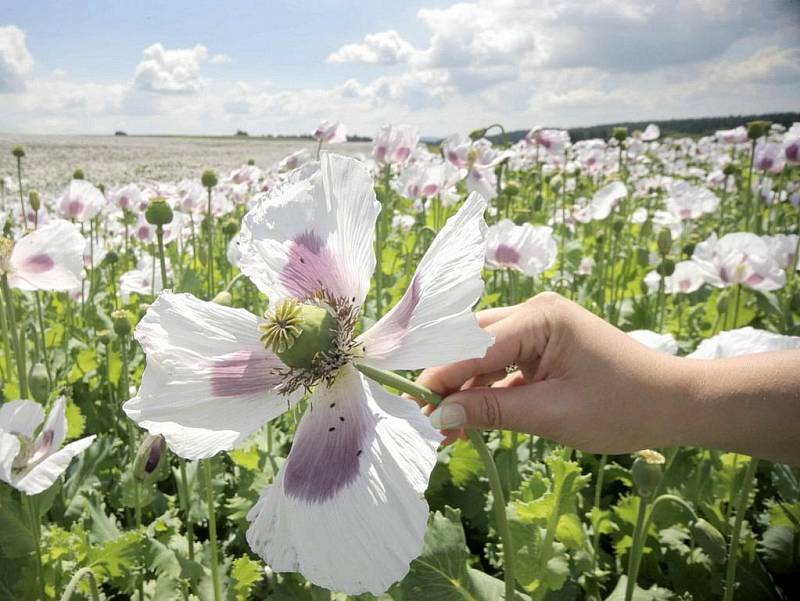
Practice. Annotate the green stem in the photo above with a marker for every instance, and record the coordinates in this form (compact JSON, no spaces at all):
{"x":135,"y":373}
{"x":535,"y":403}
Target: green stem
{"x":12,"y":326}
{"x":635,"y":556}
{"x":21,"y":196}
{"x":33,"y":519}
{"x":388,"y":378}
{"x":6,"y":343}
{"x":185,"y":502}
{"x":40,"y":317}
{"x":76,"y":578}
{"x":741,"y":507}
{"x":212,"y":530}
{"x":210,"y":257}
{"x":598,"y":493}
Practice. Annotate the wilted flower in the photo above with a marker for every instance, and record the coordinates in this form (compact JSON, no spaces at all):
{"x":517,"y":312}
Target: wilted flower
{"x":526,"y":248}
{"x":739,"y":258}
{"x":347,"y":508}
{"x":30,"y":459}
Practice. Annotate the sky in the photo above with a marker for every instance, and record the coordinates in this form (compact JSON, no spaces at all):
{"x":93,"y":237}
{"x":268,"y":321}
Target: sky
{"x":209,"y":67}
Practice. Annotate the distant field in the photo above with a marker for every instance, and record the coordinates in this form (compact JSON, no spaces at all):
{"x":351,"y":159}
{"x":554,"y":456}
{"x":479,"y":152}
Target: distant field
{"x":115,"y":160}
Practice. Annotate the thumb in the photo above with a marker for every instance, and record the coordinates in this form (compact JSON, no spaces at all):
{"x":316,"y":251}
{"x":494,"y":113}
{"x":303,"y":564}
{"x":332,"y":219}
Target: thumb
{"x":529,"y":408}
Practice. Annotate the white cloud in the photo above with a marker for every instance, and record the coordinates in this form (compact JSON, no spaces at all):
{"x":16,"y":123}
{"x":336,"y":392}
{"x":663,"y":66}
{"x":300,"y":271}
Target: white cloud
{"x":15,"y":60}
{"x":220,"y":59}
{"x":383,"y":47}
{"x":170,"y":71}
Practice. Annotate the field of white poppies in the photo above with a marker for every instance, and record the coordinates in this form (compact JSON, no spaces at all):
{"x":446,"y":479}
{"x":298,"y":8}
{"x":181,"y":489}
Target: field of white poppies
{"x":203,"y":355}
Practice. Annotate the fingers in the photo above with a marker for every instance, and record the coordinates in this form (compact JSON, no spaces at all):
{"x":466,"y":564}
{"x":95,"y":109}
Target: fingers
{"x":489,"y":316}
{"x":532,"y":408}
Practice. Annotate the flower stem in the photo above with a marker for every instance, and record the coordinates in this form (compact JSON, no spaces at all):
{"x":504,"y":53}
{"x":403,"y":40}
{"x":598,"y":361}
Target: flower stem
{"x":162,"y":262}
{"x":21,"y":196}
{"x":389,"y":378}
{"x":636,"y":549}
{"x":33,"y":518}
{"x":76,"y":578}
{"x":212,"y":530}
{"x":12,"y":326}
{"x":210,"y":257}
{"x":741,"y":507}
{"x":185,"y":503}
{"x":598,"y":494}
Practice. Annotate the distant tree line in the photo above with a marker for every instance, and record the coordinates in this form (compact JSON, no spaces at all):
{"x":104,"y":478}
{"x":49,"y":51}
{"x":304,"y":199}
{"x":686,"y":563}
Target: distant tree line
{"x":703,"y":126}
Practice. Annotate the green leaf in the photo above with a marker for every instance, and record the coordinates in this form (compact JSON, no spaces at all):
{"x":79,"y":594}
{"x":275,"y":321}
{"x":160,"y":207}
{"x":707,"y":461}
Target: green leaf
{"x":16,"y":537}
{"x":76,"y":423}
{"x":247,"y":458}
{"x":85,"y":362}
{"x":465,"y":463}
{"x":115,"y":558}
{"x":246,"y":573}
{"x":654,"y":593}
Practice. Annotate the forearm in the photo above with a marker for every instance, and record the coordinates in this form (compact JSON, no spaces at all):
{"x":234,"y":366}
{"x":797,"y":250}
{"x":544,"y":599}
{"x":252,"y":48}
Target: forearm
{"x":748,"y":404}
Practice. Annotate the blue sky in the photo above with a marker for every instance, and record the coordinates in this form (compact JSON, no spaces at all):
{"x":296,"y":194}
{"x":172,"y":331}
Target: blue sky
{"x":213,"y":67}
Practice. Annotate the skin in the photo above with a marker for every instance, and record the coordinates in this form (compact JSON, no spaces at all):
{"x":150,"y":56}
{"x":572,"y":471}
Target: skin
{"x":584,"y":383}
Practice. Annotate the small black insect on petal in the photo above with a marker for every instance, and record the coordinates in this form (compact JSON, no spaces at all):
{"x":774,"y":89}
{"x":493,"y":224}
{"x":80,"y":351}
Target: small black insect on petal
{"x":302,"y":260}
{"x":359,"y":452}
{"x":341,"y":419}
{"x":331,"y":429}
{"x":333,"y":405}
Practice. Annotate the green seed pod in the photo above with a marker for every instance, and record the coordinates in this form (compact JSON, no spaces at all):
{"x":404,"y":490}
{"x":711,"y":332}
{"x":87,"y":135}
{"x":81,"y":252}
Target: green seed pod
{"x":664,"y":241}
{"x":150,"y":457}
{"x":39,"y":383}
{"x":297,"y":332}
{"x":111,"y":257}
{"x":230,"y":226}
{"x":224,"y":298}
{"x":158,"y":211}
{"x":666,"y":268}
{"x":209,"y":178}
{"x":729,"y":169}
{"x":620,"y":134}
{"x":78,"y":174}
{"x":105,"y":336}
{"x":122,"y":322}
{"x":538,"y":203}
{"x":511,"y":190}
{"x":710,"y":540}
{"x":757,"y":129}
{"x":646,"y":472}
{"x":34,"y":200}
{"x":18,"y":151}
{"x":251,"y":162}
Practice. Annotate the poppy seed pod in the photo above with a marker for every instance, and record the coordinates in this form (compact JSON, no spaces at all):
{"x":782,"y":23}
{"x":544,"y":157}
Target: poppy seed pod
{"x":646,"y":472}
{"x":620,"y":134}
{"x":122,"y":322}
{"x":150,"y":457}
{"x":158,"y":212}
{"x":18,"y":152}
{"x":78,"y":174}
{"x":664,"y":241}
{"x":511,"y":190}
{"x":666,"y":268}
{"x":710,"y":540}
{"x":298,"y":332}
{"x":230,"y":227}
{"x":104,"y":336}
{"x":34,"y":200}
{"x":209,"y":178}
{"x":39,"y":383}
{"x":251,"y":162}
{"x":729,"y":169}
{"x":757,"y":129}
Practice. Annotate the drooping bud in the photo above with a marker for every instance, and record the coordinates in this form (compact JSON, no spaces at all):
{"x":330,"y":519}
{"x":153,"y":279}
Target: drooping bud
{"x":477,"y":134}
{"x":158,"y":211}
{"x":209,"y":178}
{"x":18,"y":151}
{"x":710,"y":540}
{"x":646,"y":472}
{"x":39,"y":383}
{"x":34,"y":200}
{"x":78,"y":174}
{"x":298,"y":332}
{"x":620,"y":134}
{"x":757,"y":129}
{"x":224,"y":298}
{"x":122,"y":322}
{"x":150,"y":457}
{"x":664,"y":241}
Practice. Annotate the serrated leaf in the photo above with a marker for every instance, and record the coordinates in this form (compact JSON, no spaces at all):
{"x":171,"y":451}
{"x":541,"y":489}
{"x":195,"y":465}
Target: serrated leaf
{"x":654,"y":593}
{"x":76,"y":423}
{"x":247,"y":458}
{"x":85,"y":362}
{"x":245,"y":574}
{"x":465,"y":463}
{"x":117,"y":557}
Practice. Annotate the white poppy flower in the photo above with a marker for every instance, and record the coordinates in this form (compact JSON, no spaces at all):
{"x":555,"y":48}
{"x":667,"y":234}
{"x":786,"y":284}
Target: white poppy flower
{"x":687,"y":201}
{"x":394,"y":144}
{"x":330,"y":132}
{"x":49,"y":258}
{"x":80,"y":201}
{"x":31,"y":461}
{"x":784,"y":248}
{"x":347,"y":508}
{"x":127,"y":197}
{"x":663,"y":343}
{"x":606,"y":199}
{"x":744,"y":341}
{"x":739,"y":258}
{"x":527,"y":248}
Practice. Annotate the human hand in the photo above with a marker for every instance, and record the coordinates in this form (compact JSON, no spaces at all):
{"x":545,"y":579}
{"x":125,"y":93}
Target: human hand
{"x":581,"y":381}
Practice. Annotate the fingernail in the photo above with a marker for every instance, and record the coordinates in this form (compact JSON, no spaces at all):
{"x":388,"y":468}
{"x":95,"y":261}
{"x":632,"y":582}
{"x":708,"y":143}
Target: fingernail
{"x":449,"y":416}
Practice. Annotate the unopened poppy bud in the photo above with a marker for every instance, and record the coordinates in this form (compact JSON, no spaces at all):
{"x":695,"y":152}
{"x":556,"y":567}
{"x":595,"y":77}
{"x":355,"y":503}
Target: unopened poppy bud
{"x":158,"y":211}
{"x":511,"y":190}
{"x":150,"y":456}
{"x":757,"y":129}
{"x":251,"y":162}
{"x":477,"y":134}
{"x":646,"y":472}
{"x":39,"y":383}
{"x":729,"y":169}
{"x":104,"y":336}
{"x":224,"y":298}
{"x":18,"y":151}
{"x":209,"y":178}
{"x":664,"y":241}
{"x":666,"y":268}
{"x":298,"y":332}
{"x":230,"y":227}
{"x":111,"y":257}
{"x":78,"y":174}
{"x":34,"y":200}
{"x":620,"y":134}
{"x":122,"y":322}
{"x":710,"y":540}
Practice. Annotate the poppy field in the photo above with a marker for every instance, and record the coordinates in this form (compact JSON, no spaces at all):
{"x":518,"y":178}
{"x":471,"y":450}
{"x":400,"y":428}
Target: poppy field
{"x":208,"y":381}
